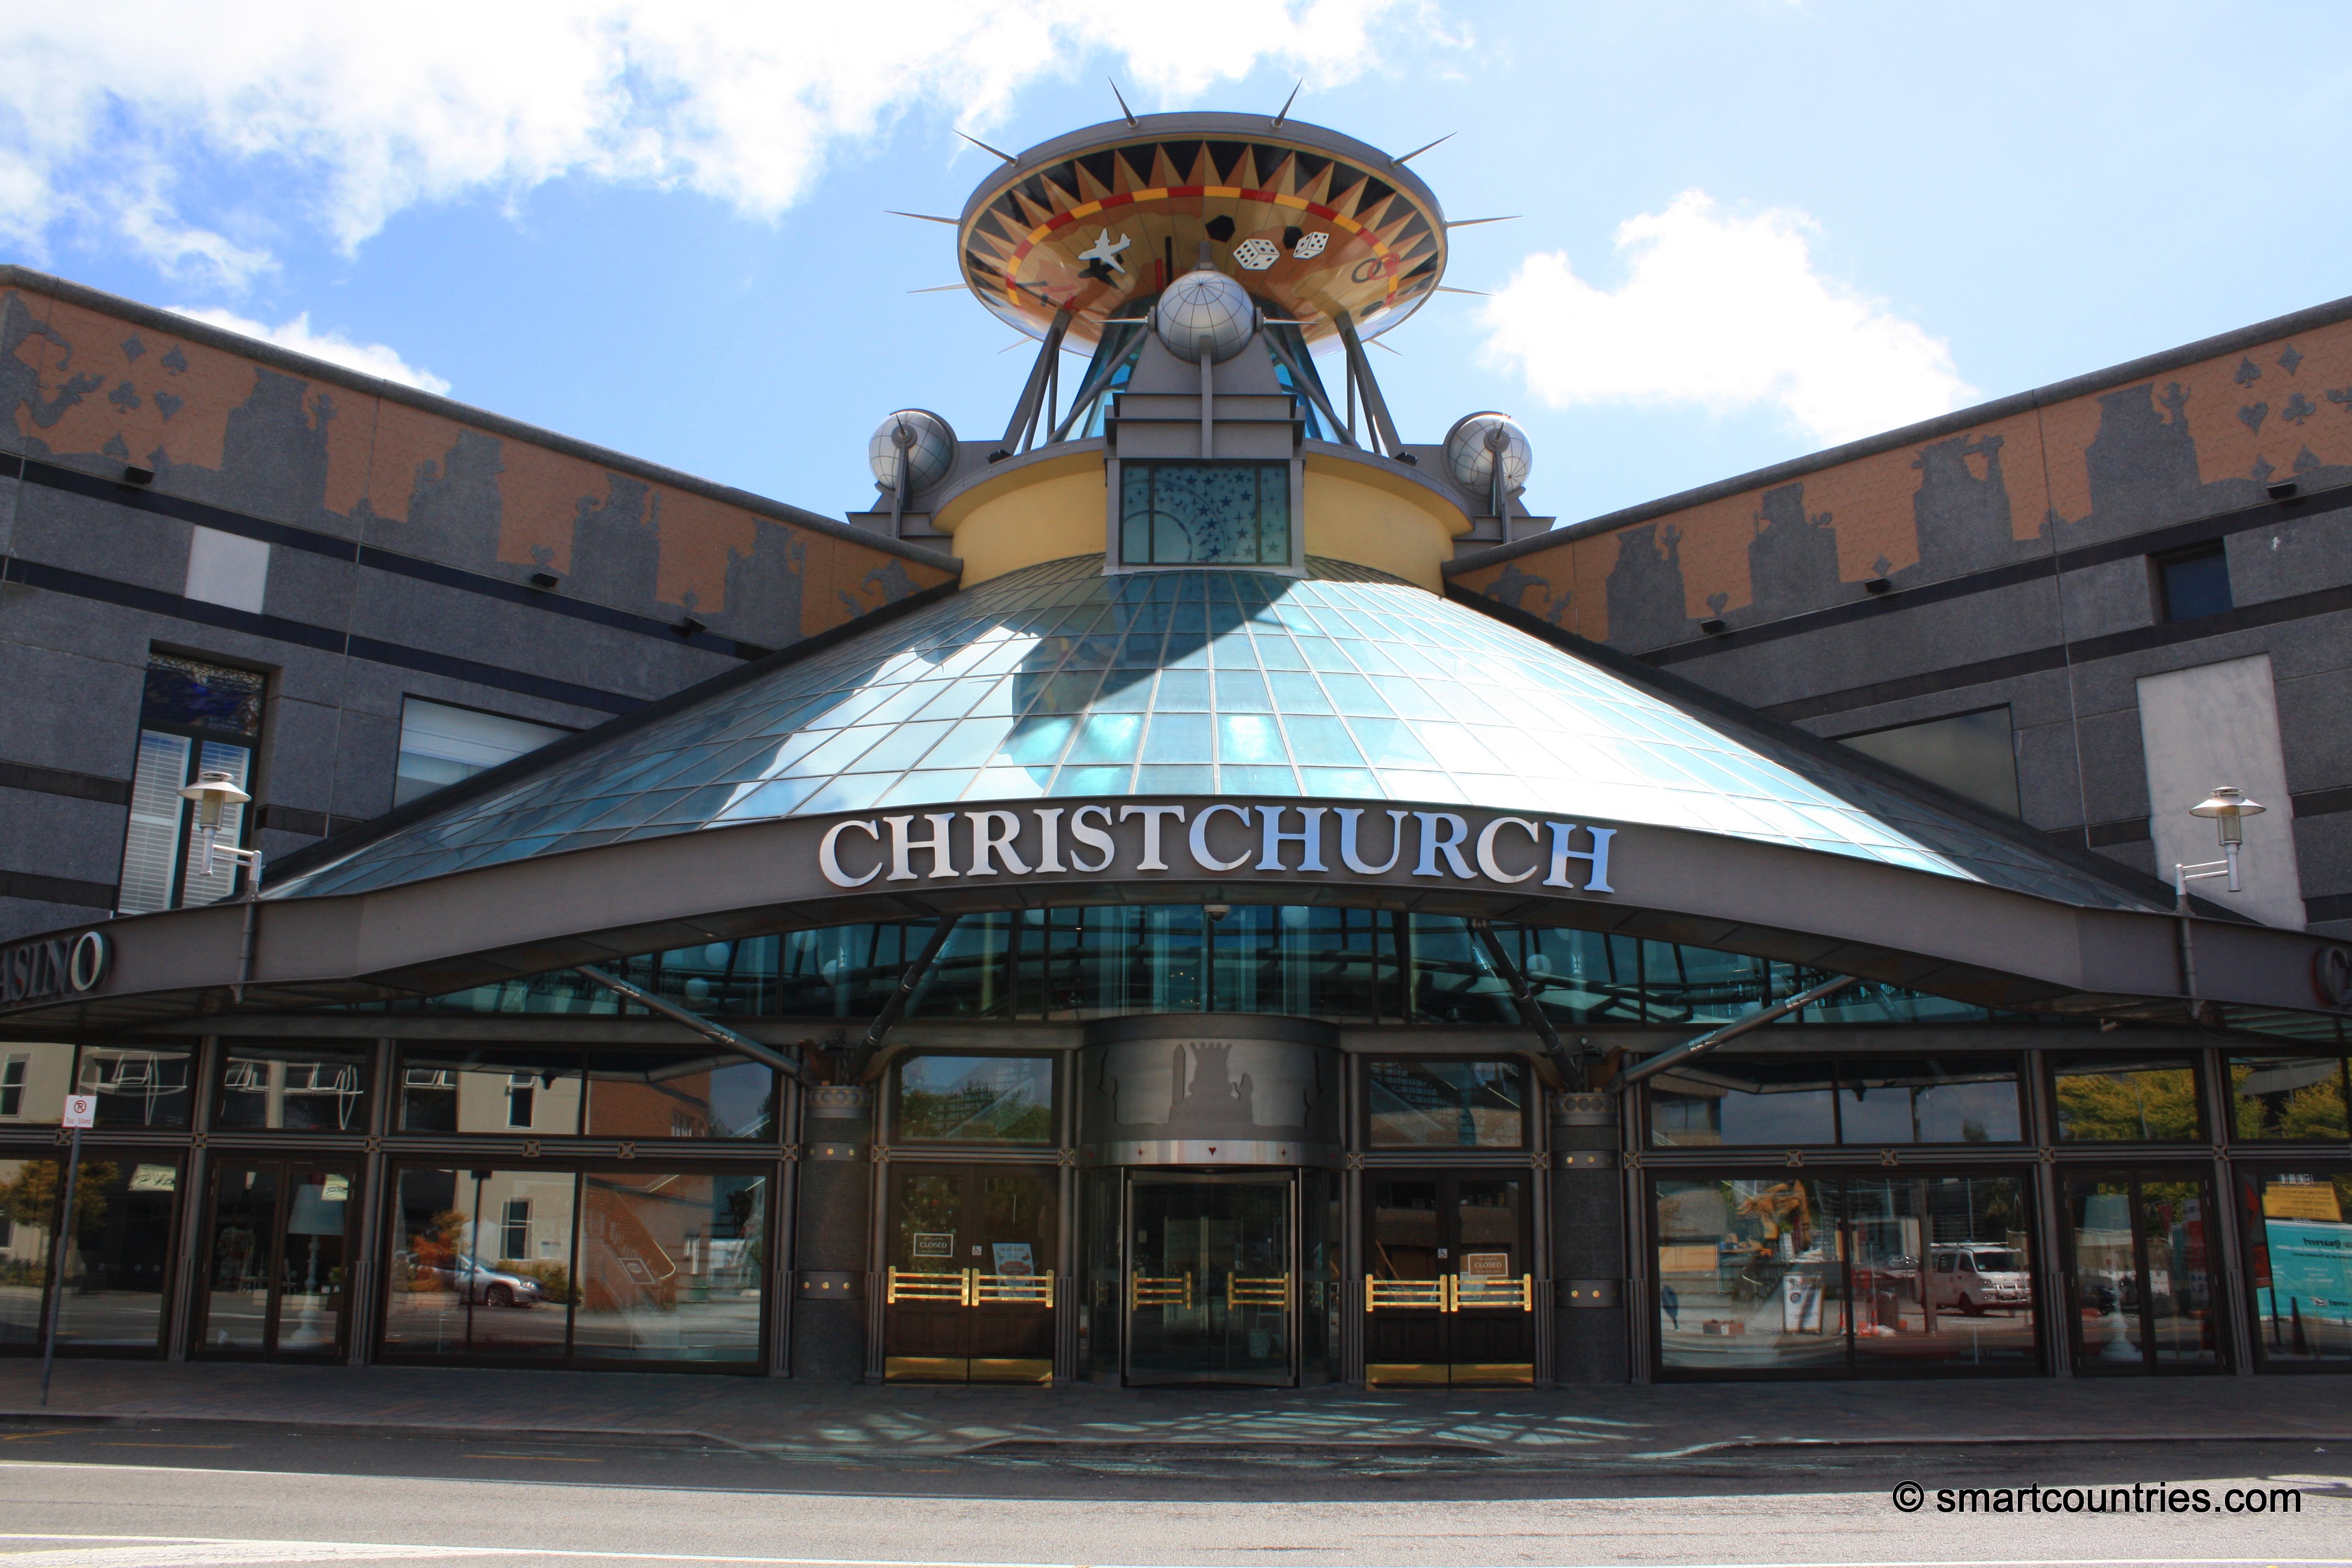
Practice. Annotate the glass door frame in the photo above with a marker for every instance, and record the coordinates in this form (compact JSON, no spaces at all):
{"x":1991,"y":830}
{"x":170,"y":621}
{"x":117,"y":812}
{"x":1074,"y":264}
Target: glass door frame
{"x":980,"y":1291}
{"x":2084,"y":1362}
{"x":1446,"y":1301}
{"x":1289,"y":1177}
{"x":205,"y":1229}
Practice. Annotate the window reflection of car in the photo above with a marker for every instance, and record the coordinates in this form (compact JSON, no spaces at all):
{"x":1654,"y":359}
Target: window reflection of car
{"x":473,"y":1280}
{"x":1970,"y":1278}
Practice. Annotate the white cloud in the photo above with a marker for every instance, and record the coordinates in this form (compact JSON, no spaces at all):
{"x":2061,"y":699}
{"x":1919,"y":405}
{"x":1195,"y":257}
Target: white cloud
{"x":369,"y":359}
{"x":138,"y":106}
{"x":1725,"y":312}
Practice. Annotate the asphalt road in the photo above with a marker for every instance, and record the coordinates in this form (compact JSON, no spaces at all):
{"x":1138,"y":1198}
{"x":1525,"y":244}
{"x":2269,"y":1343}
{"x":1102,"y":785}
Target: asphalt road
{"x":156,"y":1496}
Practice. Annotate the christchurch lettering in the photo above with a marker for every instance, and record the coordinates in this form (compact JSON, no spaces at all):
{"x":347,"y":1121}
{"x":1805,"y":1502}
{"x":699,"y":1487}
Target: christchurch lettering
{"x":54,"y":966}
{"x":1221,"y":837}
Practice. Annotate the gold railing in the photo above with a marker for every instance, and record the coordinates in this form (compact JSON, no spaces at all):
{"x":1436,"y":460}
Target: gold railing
{"x":1028,"y":1289}
{"x":1452,"y":1294}
{"x":1269,"y":1290}
{"x":1421,"y":1293}
{"x":1489,"y":1290}
{"x":968,"y":1288}
{"x":1173,"y":1290}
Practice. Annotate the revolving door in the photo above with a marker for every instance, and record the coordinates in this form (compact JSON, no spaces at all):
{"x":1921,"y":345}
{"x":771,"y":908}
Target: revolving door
{"x":1211,"y":1279}
{"x":1210,"y":1216}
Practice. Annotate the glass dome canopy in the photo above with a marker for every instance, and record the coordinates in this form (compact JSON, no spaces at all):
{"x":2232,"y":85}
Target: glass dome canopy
{"x":1057,"y":680}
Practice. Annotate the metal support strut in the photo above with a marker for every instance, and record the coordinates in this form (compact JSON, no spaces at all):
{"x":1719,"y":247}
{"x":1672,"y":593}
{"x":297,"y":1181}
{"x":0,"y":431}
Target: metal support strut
{"x":1678,"y":1055}
{"x":709,"y":1029}
{"x":1032,"y":393}
{"x":862,"y":1058}
{"x":1376,"y":407}
{"x":1523,"y":994}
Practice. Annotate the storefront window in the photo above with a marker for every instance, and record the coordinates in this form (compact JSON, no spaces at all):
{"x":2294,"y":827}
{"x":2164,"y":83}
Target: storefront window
{"x":294,"y":1087}
{"x":1781,"y":1102}
{"x":670,"y":1266}
{"x":34,"y":1079}
{"x":2149,"y":1101}
{"x":1941,"y":1271}
{"x":28,"y":1218}
{"x":136,"y":1086}
{"x":1912,"y":1273}
{"x":121,"y":1233}
{"x":2287,"y":1098}
{"x":481,"y":1264}
{"x":2299,"y":1233}
{"x":1910,"y":1099}
{"x":1744,"y":1099}
{"x":975,"y":1100}
{"x":667,"y":1094}
{"x":521,"y":1090}
{"x":1445,"y":1104}
{"x":1750,"y":1278}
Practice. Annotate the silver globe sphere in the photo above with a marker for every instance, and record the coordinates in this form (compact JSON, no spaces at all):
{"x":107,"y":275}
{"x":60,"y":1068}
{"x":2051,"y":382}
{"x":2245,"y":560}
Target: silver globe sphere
{"x":931,"y":447}
{"x":1475,"y":442}
{"x":1205,"y":303}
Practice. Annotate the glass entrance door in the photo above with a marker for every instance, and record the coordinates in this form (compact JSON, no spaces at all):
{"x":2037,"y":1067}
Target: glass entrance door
{"x":2139,"y":1273}
{"x":1212,"y":1288}
{"x":969,"y":1290}
{"x":1449,"y":1294}
{"x":275,"y":1255}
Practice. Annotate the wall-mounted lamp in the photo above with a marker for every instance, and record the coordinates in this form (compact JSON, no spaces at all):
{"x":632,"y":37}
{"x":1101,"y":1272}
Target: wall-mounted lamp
{"x":212,"y":793}
{"x":2228,"y":808}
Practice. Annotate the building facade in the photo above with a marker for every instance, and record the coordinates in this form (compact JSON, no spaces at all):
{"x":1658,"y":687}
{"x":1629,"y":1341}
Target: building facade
{"x":1196,"y":889}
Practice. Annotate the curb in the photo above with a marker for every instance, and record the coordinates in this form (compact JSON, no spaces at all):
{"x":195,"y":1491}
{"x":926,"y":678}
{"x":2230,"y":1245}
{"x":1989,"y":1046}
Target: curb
{"x":659,"y":1437}
{"x":2017,"y":1440}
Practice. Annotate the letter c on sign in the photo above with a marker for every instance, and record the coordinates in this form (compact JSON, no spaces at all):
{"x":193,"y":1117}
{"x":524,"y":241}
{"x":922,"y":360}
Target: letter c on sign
{"x":1487,"y":847}
{"x":828,"y":854}
{"x":1201,"y":838}
{"x":2331,"y":972}
{"x":87,"y":960}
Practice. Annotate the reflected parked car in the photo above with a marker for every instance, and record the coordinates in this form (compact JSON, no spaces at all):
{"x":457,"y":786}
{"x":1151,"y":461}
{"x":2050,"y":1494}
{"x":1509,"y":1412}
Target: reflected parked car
{"x":475,"y":1281}
{"x":1972,"y":1275}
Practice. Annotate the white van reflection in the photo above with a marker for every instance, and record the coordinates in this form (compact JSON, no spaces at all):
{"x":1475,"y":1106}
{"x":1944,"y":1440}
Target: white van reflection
{"x":1971,"y":1276}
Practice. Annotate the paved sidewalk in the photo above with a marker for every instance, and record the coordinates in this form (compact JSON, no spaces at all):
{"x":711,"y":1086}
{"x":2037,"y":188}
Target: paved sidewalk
{"x":1563,"y":1425}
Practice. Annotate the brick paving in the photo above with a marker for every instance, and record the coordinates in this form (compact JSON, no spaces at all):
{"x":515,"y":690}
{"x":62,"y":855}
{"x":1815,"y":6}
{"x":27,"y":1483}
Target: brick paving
{"x":801,"y":1419}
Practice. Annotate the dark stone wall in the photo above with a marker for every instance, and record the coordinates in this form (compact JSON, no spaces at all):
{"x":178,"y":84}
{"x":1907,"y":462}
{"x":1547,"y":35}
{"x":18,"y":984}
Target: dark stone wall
{"x":832,"y":1236}
{"x":1588,"y":1222}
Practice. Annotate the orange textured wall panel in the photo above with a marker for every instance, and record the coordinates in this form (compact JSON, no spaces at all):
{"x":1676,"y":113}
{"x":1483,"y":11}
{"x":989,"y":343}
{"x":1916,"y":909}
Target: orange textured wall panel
{"x":2139,"y":455}
{"x":90,"y":390}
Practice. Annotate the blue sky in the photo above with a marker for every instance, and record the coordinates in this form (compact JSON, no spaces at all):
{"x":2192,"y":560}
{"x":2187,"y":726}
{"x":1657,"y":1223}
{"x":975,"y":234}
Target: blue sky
{"x":1751,"y":227}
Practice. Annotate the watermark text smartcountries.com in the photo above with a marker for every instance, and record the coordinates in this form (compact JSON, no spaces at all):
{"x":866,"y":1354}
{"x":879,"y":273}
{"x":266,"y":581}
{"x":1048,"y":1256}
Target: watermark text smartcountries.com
{"x":1911,"y":1497}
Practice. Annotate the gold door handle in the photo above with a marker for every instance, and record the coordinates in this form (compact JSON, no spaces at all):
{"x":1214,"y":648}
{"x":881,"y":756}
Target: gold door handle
{"x":1423,"y":1294}
{"x":1161,"y":1290}
{"x":913,"y":1285}
{"x":1265,"y":1290}
{"x":1026,"y":1290}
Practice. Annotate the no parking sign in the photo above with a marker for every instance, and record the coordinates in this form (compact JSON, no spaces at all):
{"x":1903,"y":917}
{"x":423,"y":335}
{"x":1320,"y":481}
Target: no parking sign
{"x":82,"y":1112}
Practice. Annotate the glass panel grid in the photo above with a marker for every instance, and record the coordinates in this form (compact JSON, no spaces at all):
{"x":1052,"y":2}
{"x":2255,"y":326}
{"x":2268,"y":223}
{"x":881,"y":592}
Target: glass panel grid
{"x":1037,"y":683}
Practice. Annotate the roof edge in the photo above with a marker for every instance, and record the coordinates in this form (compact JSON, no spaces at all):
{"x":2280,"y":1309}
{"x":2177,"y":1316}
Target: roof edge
{"x":160,"y":319}
{"x":1943,"y":425}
